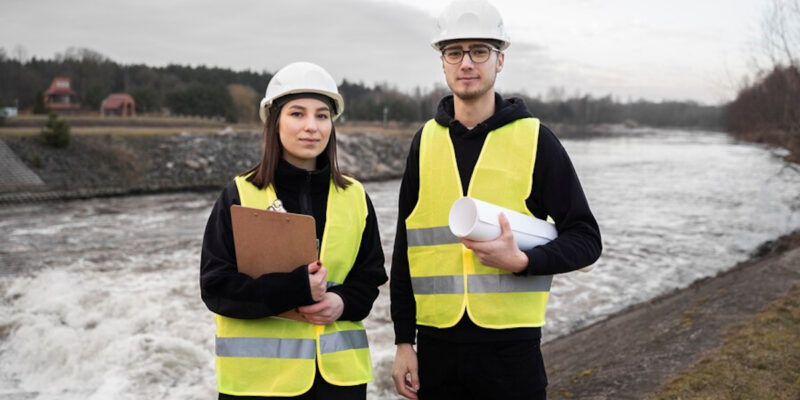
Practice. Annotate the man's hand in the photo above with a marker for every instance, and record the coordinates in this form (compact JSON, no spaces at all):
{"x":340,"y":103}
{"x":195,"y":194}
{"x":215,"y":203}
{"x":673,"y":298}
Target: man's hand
{"x":324,"y":312}
{"x":502,"y":252}
{"x":405,"y":371}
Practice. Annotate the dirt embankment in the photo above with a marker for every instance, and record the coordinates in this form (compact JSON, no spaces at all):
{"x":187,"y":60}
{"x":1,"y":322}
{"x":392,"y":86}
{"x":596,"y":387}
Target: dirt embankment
{"x":107,"y":164}
{"x":632,"y":353}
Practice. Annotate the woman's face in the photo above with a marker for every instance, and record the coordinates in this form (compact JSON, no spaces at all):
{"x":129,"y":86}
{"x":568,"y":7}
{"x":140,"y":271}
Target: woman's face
{"x":304,"y":128}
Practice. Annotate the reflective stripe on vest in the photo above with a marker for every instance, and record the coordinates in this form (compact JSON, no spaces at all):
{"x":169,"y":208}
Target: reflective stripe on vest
{"x":266,"y":347}
{"x":278,"y":357}
{"x":454,"y":284}
{"x":290,"y":348}
{"x":446,"y":277}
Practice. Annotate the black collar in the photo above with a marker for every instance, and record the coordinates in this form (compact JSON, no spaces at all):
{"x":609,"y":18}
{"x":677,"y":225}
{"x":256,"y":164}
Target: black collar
{"x":293,"y":179}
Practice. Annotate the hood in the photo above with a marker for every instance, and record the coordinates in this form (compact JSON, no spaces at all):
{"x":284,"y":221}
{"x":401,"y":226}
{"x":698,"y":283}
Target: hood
{"x":505,"y":111}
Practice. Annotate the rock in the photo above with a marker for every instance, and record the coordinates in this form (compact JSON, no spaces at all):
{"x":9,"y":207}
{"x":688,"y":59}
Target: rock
{"x":192,"y":164}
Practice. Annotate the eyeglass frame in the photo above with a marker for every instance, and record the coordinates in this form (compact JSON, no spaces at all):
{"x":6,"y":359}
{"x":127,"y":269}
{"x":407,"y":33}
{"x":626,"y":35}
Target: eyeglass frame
{"x":469,"y":51}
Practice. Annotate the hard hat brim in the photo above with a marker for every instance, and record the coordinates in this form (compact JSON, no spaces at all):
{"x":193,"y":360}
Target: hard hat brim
{"x":337,"y":99}
{"x":504,"y":43}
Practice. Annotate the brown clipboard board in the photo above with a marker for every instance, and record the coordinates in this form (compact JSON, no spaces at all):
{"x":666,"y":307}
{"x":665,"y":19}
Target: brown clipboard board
{"x":271,"y":241}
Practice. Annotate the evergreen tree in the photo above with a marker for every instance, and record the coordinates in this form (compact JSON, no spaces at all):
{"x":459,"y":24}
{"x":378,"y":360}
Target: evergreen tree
{"x":56,"y":132}
{"x":38,"y":104}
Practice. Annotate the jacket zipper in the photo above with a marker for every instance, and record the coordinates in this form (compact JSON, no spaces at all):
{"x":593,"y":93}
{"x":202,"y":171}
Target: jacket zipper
{"x":305,"y":197}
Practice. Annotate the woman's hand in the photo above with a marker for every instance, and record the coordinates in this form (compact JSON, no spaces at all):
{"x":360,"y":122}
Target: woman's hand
{"x":328,"y":310}
{"x":317,"y":280}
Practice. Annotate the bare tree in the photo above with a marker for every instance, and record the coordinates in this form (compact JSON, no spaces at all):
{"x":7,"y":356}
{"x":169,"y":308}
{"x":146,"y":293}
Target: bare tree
{"x":780,"y":27}
{"x":80,"y":54}
{"x":20,"y":53}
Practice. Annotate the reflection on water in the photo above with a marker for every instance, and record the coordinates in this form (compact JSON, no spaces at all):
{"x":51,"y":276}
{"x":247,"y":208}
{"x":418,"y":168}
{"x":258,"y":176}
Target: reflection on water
{"x":99,"y":299}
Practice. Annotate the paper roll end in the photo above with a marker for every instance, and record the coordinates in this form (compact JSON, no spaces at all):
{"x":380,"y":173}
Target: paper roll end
{"x":463,"y":217}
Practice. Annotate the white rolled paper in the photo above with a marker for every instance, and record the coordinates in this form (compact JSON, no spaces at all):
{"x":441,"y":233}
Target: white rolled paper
{"x":477,"y":220}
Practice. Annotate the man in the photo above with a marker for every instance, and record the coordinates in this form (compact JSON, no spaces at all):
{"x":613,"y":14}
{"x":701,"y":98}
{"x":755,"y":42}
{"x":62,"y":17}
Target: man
{"x":476,"y":308}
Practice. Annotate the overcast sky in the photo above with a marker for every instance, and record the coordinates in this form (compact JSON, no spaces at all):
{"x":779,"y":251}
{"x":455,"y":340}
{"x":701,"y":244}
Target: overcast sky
{"x":656,"y":50}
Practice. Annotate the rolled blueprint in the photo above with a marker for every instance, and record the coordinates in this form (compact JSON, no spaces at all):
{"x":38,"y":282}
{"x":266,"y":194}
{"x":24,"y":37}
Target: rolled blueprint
{"x":477,"y":220}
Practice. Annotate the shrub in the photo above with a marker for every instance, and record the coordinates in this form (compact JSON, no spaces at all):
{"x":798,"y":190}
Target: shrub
{"x":38,"y":104}
{"x":56,"y":132}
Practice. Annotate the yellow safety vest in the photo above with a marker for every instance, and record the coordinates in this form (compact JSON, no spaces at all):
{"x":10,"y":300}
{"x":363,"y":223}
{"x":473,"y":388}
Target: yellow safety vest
{"x":446,"y":277}
{"x":276,"y":357}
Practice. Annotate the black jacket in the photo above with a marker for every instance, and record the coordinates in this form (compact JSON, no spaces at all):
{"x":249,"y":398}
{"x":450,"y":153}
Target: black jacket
{"x":232,"y":294}
{"x":556,"y":192}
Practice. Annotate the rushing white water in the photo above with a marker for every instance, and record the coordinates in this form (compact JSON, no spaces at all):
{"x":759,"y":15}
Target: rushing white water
{"x":99,"y":299}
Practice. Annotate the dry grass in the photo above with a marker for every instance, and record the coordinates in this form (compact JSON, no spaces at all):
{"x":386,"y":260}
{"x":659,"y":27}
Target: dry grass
{"x":788,"y":140}
{"x":96,"y":118}
{"x":759,"y":359}
{"x":113,"y":130}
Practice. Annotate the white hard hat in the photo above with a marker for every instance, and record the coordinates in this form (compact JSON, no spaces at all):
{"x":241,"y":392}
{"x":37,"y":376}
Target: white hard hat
{"x":301,"y":77}
{"x":470,"y":19}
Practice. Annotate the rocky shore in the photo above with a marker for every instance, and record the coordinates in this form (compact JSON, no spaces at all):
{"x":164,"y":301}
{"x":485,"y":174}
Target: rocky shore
{"x":104,"y":165}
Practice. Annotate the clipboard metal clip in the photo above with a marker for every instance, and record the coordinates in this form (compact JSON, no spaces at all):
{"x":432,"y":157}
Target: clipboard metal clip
{"x":276,"y":205}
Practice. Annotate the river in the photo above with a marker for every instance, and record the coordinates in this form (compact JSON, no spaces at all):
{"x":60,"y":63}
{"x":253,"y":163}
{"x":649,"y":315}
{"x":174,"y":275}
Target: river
{"x":99,"y":299}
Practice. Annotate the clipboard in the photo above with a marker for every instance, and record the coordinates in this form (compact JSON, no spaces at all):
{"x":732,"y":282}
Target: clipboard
{"x":271,"y":241}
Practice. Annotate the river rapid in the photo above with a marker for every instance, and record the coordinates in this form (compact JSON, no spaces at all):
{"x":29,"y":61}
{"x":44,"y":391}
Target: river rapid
{"x":99,"y":299}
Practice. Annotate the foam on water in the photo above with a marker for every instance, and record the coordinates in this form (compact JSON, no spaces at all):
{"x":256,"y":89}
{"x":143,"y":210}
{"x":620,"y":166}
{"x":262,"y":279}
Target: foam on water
{"x":99,"y":299}
{"x":132,"y":330}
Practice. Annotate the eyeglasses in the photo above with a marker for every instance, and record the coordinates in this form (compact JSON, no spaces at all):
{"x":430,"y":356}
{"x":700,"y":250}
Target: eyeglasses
{"x":478,"y":54}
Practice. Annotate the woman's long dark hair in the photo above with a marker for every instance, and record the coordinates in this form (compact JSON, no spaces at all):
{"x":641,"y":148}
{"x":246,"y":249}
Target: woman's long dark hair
{"x":263,"y":174}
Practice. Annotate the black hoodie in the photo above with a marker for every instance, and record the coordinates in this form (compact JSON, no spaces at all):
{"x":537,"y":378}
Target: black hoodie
{"x":232,"y":294}
{"x":556,"y":192}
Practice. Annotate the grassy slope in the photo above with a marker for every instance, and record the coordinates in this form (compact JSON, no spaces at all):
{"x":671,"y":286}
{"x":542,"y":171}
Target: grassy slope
{"x":759,"y":359}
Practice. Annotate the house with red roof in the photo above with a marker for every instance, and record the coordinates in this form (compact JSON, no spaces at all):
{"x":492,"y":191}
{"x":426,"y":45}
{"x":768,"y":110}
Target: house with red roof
{"x":120,"y":104}
{"x":60,"y":97}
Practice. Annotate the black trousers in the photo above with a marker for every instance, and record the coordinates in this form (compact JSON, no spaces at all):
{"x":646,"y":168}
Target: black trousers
{"x":491,"y":370}
{"x":321,"y":390}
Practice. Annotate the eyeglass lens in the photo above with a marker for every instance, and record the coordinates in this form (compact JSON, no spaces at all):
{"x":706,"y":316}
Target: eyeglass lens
{"x":477,"y":54}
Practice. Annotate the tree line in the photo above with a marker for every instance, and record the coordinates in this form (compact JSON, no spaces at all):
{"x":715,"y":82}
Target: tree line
{"x":234,"y":95}
{"x":767,"y":108}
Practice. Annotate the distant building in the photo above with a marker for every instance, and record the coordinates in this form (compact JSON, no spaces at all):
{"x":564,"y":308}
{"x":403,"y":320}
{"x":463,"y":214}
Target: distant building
{"x":8,"y":111}
{"x":120,"y":104}
{"x":60,"y":97}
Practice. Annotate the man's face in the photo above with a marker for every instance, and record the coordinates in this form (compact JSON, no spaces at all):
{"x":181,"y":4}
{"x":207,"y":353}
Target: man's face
{"x":469,"y":79}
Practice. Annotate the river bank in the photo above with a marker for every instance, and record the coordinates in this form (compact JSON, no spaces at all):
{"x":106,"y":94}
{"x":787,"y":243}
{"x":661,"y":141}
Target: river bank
{"x":113,"y":157}
{"x":787,"y":140}
{"x":108,"y":165}
{"x":656,"y":349}
{"x":633,"y":353}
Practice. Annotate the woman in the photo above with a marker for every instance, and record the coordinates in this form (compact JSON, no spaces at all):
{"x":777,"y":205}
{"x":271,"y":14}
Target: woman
{"x":319,"y":349}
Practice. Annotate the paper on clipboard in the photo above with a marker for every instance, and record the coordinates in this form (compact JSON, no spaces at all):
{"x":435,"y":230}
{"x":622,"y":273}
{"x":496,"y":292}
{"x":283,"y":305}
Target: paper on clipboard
{"x":270,"y":241}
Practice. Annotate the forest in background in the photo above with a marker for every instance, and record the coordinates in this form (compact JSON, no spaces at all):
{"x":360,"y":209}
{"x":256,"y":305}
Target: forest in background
{"x":767,"y":107}
{"x":234,"y":95}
